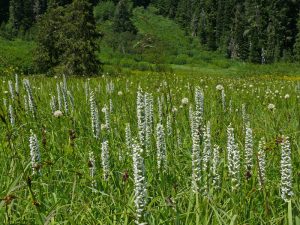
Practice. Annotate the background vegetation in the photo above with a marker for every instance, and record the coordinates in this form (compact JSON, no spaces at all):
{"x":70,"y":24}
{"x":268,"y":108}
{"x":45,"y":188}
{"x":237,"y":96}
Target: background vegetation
{"x":156,"y":35}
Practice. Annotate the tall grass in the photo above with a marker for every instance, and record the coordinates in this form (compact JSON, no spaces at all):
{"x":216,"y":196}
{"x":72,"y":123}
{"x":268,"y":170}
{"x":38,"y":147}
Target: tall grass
{"x":64,"y":191}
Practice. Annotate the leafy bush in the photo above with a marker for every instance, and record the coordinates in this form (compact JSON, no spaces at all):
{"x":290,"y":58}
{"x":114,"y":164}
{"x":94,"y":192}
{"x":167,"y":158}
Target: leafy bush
{"x":181,"y":59}
{"x":144,"y":66}
{"x":222,"y":63}
{"x":127,"y":62}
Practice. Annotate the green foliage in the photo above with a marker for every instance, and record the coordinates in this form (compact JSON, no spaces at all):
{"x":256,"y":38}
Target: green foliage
{"x":297,"y":43}
{"x":68,"y":44}
{"x":181,"y":59}
{"x":17,"y":54}
{"x":104,"y":11}
{"x":4,"y":11}
{"x":64,"y":191}
{"x":121,"y":20}
{"x":157,"y":27}
{"x":48,"y":51}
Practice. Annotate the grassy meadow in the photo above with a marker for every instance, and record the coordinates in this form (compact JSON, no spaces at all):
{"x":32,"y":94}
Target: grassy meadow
{"x":68,"y":176}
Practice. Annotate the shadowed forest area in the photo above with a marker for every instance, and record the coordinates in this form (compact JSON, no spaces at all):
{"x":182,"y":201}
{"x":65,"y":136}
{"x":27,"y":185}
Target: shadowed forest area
{"x":87,"y":37}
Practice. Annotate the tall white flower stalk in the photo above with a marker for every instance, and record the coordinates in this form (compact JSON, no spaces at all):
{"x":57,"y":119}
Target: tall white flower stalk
{"x":223,"y":96}
{"x":140,"y":184}
{"x":148,"y":108}
{"x":92,"y":168}
{"x":106,"y":112}
{"x":196,"y":160}
{"x":161,"y":147}
{"x":141,"y":117}
{"x":17,"y":84}
{"x":11,"y":90}
{"x":248,"y":149}
{"x":11,"y":115}
{"x":128,"y":137}
{"x":64,"y":92}
{"x":206,"y":147}
{"x":199,"y":104}
{"x":31,"y":102}
{"x":25,"y":103}
{"x":206,"y":156}
{"x":110,"y":87}
{"x":34,"y":153}
{"x":94,"y":116}
{"x":105,"y":159}
{"x":261,"y":162}
{"x":286,"y":187}
{"x":59,"y":101}
{"x":111,"y":106}
{"x":215,"y":167}
{"x":53,"y":103}
{"x":233,"y":158}
{"x":160,"y":109}
{"x":169,"y":125}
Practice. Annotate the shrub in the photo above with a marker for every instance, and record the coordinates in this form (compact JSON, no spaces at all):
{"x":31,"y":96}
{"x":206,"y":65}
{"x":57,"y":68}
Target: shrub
{"x":181,"y":59}
{"x":127,"y":62}
{"x":144,"y":66}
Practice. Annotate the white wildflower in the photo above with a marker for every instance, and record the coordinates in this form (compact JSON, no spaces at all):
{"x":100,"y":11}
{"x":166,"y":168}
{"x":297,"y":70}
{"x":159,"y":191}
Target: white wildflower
{"x":185,"y":101}
{"x":286,"y":170}
{"x":94,"y":116}
{"x":34,"y":153}
{"x":161,"y":147}
{"x":31,"y":102}
{"x":11,"y":90}
{"x":215,"y":167}
{"x":105,"y":159}
{"x":233,"y":157}
{"x":92,"y":168}
{"x":58,"y":113}
{"x":196,"y":160}
{"x":271,"y":107}
{"x":11,"y":115}
{"x":219,"y":87}
{"x":248,"y":148}
{"x":262,"y":161}
{"x":141,"y":117}
{"x":140,"y":185}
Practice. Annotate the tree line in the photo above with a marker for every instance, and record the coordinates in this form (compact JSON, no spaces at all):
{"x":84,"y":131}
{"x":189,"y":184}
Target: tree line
{"x":258,"y":31}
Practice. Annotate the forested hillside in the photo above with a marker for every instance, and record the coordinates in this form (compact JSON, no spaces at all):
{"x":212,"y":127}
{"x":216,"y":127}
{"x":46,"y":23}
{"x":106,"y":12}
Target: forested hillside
{"x":168,"y":31}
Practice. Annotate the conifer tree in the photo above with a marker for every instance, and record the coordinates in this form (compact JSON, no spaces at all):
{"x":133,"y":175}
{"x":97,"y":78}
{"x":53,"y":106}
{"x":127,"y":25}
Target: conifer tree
{"x":184,"y":14}
{"x":67,"y":40}
{"x":121,"y":20}
{"x":297,"y":43}
{"x":4,"y":11}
